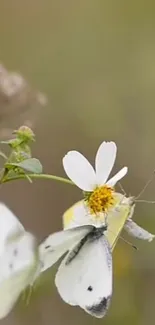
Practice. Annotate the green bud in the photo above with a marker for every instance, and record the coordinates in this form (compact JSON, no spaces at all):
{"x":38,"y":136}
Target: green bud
{"x":24,"y":133}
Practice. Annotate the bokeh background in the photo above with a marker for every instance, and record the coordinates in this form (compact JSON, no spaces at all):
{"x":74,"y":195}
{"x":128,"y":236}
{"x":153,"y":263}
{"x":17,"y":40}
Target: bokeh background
{"x":95,"y":61}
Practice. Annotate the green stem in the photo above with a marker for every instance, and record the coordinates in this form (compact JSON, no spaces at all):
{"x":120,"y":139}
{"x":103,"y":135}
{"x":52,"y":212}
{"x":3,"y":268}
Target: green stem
{"x":39,"y":176}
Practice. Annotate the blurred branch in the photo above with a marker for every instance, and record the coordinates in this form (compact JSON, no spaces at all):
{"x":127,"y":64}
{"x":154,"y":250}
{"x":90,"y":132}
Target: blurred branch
{"x":19,"y":102}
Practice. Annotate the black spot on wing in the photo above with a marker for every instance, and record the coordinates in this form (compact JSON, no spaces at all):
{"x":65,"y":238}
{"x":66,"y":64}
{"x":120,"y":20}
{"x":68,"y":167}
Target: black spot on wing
{"x":15,"y":252}
{"x":47,"y":247}
{"x":11,"y":266}
{"x":14,"y":256}
{"x":99,"y":310}
{"x":90,"y":288}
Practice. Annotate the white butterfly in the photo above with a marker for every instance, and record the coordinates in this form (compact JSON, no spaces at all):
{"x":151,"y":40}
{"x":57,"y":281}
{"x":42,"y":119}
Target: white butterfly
{"x":19,"y":259}
{"x":84,"y":277}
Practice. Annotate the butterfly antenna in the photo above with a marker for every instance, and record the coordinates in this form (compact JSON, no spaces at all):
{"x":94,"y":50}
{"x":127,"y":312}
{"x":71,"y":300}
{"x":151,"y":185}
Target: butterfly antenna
{"x":145,"y":201}
{"x":146,"y":185}
{"x":122,"y":188}
{"x":126,"y":241}
{"x":129,"y":243}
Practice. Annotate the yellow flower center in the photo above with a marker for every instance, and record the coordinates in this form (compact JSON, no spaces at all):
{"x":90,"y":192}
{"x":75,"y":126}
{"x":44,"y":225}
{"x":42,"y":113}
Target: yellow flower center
{"x":100,"y":199}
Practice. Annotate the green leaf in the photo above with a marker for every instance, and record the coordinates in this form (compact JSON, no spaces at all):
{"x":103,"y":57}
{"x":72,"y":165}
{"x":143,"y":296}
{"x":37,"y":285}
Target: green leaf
{"x":13,"y":143}
{"x":31,"y":165}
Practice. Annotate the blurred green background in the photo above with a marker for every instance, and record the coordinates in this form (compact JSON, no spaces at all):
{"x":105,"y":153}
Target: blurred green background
{"x":95,"y":61}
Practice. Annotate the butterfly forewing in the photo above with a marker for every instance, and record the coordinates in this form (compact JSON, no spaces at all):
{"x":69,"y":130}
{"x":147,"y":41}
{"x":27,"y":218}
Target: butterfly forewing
{"x":57,"y":244}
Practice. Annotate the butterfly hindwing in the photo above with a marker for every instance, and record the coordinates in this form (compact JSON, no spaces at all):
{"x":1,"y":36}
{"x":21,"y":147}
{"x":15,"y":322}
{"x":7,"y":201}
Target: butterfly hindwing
{"x":86,"y":279}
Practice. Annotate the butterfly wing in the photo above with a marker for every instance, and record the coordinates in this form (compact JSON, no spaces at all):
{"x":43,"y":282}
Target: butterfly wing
{"x":86,"y":280}
{"x":18,"y":265}
{"x":116,"y":221}
{"x":57,"y":244}
{"x":136,"y":231}
{"x":9,"y":224}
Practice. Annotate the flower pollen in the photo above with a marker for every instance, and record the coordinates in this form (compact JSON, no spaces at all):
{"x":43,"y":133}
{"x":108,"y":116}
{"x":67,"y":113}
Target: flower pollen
{"x":100,"y":199}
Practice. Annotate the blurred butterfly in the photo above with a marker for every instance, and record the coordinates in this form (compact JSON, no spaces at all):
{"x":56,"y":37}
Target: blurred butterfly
{"x":19,"y":260}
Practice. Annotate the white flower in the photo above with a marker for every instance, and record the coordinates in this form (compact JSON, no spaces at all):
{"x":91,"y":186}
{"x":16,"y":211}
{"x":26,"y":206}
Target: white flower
{"x":80,"y":171}
{"x":98,"y":190}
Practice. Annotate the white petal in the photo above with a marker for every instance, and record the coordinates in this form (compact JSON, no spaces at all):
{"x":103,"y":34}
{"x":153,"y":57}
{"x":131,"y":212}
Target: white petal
{"x":117,"y":177}
{"x":79,"y":170}
{"x":104,"y":161}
